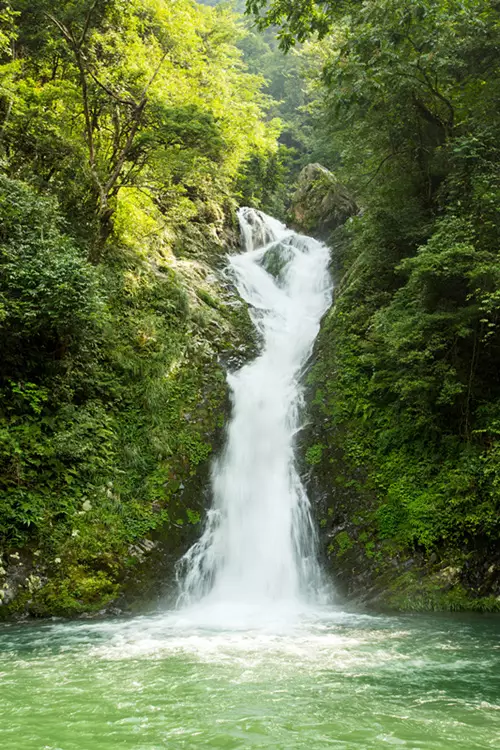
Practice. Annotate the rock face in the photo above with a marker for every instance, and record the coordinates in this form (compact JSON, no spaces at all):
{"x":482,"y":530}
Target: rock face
{"x":367,"y":566}
{"x":321,"y":203}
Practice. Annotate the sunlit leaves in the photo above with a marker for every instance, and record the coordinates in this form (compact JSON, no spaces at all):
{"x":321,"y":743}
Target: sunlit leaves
{"x":146,"y":94}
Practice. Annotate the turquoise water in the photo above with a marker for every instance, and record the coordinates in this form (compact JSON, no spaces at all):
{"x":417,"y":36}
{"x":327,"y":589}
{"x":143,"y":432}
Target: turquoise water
{"x":330,"y":680}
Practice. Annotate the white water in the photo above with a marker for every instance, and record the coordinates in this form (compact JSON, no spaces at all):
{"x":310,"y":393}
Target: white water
{"x":258,"y":549}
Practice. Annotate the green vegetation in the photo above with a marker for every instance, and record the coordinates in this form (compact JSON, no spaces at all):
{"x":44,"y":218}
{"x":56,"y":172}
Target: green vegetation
{"x":128,"y":134}
{"x":406,"y":382}
{"x":268,"y":177}
{"x":124,"y":130}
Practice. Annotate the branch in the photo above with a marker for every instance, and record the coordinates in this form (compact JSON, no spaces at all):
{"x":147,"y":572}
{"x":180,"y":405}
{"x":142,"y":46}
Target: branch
{"x":125,"y":150}
{"x":433,"y":87}
{"x":89,"y":128}
{"x":8,"y":113}
{"x":154,"y":76}
{"x":428,"y":115}
{"x":86,"y":109}
{"x":438,"y":94}
{"x":63,"y":29}
{"x":139,"y":111}
{"x":110,"y":92}
{"x":137,"y":107}
{"x":135,"y":170}
{"x":87,"y":22}
{"x":384,"y":160}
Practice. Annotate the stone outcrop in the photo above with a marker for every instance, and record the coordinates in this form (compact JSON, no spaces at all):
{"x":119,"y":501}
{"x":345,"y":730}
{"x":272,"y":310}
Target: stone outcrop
{"x":321,"y":203}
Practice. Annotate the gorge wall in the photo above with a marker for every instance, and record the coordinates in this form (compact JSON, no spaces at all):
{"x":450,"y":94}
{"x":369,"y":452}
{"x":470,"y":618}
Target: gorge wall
{"x":124,"y":130}
{"x":378,"y":508}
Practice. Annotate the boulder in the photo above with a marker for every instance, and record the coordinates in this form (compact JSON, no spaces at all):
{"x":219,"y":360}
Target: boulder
{"x":321,"y":203}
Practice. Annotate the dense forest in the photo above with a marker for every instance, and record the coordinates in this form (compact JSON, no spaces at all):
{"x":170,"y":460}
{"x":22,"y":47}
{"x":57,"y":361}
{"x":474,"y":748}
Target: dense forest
{"x":124,"y":130}
{"x":129,"y":134}
{"x":406,"y":388}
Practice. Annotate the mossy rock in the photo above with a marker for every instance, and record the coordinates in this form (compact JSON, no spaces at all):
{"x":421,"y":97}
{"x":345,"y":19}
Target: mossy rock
{"x":79,"y":590}
{"x":276,"y":259}
{"x":419,"y":591}
{"x":321,"y":203}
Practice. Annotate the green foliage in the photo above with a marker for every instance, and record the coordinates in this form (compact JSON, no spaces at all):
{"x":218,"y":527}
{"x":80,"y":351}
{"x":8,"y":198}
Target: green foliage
{"x":124,"y":129}
{"x":314,"y":454}
{"x":127,"y":133}
{"x":297,"y":19}
{"x":264,"y":181}
{"x":407,"y":375}
{"x":269,"y":176}
{"x":48,"y":291}
{"x":7,"y":29}
{"x":342,"y":544}
{"x":80,"y":590}
{"x":412,"y":593}
{"x":106,"y":97}
{"x":117,"y":414}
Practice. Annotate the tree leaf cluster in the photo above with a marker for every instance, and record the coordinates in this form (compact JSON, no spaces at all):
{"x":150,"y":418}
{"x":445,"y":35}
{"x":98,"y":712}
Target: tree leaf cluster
{"x":124,"y":131}
{"x":410,"y":354}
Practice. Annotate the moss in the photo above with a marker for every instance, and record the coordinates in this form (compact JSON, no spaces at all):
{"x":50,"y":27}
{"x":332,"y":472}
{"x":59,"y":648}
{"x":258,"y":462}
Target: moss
{"x":209,"y":300}
{"x":314,"y":454}
{"x":342,"y":543}
{"x":411,"y":592}
{"x":72,"y":591}
{"x":80,"y":590}
{"x":17,"y":607}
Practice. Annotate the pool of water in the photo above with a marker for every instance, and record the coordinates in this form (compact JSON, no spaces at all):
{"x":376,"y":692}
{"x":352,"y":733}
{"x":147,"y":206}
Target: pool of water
{"x":329,"y":679}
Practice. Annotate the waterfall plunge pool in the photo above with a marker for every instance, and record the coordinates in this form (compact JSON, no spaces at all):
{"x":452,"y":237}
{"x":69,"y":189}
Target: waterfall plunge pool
{"x":330,"y":680}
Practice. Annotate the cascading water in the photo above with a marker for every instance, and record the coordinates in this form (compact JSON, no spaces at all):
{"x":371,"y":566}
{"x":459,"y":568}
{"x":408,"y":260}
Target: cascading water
{"x":258,"y":547}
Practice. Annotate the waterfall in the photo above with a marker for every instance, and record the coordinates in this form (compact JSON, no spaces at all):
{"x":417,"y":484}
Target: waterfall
{"x":259,"y":543}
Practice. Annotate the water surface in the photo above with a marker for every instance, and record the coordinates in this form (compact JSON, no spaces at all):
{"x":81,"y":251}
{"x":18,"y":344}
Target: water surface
{"x":330,"y":680}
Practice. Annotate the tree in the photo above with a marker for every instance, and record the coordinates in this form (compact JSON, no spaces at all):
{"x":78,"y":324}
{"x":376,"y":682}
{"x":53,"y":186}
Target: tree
{"x":297,"y":19}
{"x":127,"y":96}
{"x":411,"y":352}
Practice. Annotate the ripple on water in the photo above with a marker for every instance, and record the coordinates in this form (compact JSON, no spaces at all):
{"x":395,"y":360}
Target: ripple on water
{"x":339,"y":681}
